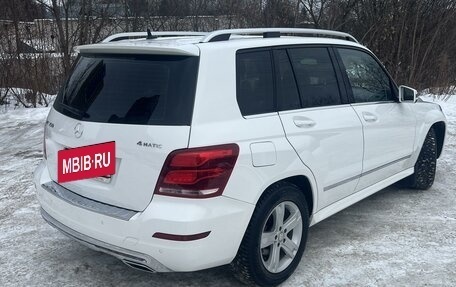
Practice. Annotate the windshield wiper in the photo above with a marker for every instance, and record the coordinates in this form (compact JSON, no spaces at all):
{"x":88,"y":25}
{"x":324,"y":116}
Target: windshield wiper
{"x":79,"y":113}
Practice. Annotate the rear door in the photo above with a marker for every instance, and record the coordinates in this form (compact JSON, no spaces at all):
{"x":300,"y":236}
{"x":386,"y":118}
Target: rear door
{"x":389,"y":126}
{"x":319,"y":123}
{"x":143,"y":103}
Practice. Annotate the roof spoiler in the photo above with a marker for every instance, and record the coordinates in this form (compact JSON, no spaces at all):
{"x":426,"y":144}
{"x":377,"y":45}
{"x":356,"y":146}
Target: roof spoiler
{"x":150,"y":35}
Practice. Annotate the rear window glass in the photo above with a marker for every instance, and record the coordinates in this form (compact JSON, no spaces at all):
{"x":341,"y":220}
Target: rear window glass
{"x":287,"y":91}
{"x":316,"y":77}
{"x":255,"y":90}
{"x":130,"y":89}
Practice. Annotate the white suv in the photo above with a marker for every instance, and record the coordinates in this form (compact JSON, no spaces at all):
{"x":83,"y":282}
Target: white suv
{"x":229,"y":145}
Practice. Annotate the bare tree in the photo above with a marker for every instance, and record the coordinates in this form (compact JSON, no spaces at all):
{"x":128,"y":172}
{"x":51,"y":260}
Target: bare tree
{"x":415,"y":39}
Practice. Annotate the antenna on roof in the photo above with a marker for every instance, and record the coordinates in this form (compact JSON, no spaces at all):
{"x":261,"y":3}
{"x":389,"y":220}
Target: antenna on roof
{"x":149,"y":35}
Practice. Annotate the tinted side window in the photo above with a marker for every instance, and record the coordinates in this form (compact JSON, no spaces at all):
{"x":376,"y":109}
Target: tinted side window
{"x":316,"y":77}
{"x":368,"y":80}
{"x":287,"y":91}
{"x":254,"y":76}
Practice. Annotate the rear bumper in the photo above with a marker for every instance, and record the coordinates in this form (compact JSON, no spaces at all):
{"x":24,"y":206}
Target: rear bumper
{"x":131,"y":240}
{"x":129,"y":257}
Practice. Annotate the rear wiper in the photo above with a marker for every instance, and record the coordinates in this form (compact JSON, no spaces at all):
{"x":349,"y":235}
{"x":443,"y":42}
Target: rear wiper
{"x":75,"y":111}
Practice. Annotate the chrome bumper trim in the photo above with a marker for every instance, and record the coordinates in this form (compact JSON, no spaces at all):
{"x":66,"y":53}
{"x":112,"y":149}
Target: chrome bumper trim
{"x":86,"y":203}
{"x":131,"y":258}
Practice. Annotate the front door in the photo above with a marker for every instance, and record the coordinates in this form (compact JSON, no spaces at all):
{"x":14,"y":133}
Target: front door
{"x":388,"y":126}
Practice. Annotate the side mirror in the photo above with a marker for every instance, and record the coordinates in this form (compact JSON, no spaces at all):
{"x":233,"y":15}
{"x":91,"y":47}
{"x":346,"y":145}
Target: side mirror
{"x":407,"y":94}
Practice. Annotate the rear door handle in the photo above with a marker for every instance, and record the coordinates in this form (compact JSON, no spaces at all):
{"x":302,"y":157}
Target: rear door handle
{"x":369,"y":117}
{"x":303,"y":122}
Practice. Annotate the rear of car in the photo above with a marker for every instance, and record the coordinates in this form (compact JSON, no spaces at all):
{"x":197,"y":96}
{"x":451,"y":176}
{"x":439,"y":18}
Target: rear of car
{"x":147,"y":212}
{"x":143,"y":103}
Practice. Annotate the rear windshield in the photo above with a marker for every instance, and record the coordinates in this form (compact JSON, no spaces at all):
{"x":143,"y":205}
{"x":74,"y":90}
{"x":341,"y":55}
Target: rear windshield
{"x":126,"y":89}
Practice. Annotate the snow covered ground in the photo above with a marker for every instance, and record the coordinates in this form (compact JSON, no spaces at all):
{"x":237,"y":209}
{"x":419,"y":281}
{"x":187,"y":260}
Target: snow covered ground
{"x":18,"y":98}
{"x":396,"y":237}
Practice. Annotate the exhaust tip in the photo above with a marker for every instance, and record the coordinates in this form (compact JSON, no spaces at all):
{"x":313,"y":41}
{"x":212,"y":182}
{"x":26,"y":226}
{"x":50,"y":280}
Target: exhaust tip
{"x":138,"y":266}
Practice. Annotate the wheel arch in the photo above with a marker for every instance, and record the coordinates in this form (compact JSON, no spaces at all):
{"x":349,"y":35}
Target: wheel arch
{"x":304,"y":184}
{"x":429,"y":116}
{"x":440,"y":130}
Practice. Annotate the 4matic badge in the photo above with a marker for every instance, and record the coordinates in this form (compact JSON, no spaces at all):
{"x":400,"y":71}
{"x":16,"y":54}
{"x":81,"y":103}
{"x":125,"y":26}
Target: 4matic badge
{"x":148,"y":144}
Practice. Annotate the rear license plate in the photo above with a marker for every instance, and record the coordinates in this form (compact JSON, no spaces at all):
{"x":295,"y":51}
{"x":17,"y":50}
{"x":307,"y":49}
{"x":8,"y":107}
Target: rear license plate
{"x":86,"y":162}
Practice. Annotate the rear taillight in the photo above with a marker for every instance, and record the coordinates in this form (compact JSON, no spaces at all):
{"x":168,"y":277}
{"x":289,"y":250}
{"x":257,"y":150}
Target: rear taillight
{"x":197,"y":172}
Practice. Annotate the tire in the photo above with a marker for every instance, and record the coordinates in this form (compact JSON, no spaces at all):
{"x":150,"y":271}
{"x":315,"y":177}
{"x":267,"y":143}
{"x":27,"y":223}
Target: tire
{"x":425,"y":166}
{"x":254,"y":265}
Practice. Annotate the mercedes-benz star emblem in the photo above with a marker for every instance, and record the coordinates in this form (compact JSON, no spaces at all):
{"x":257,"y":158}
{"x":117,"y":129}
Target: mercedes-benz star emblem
{"x":78,"y":130}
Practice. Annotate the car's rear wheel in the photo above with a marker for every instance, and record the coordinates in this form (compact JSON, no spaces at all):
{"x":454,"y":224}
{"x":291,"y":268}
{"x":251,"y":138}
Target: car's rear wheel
{"x":275,"y":238}
{"x":425,"y":166}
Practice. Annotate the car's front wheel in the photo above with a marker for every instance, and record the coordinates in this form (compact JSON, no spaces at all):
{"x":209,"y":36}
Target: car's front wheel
{"x":425,"y":166}
{"x":275,"y":238}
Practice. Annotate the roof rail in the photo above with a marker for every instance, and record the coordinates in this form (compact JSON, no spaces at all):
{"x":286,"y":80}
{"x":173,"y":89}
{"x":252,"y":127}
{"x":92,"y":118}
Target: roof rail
{"x":224,"y":35}
{"x":139,"y":35}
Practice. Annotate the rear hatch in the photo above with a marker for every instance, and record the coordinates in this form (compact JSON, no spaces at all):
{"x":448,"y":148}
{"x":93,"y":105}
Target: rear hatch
{"x":142,"y":102}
